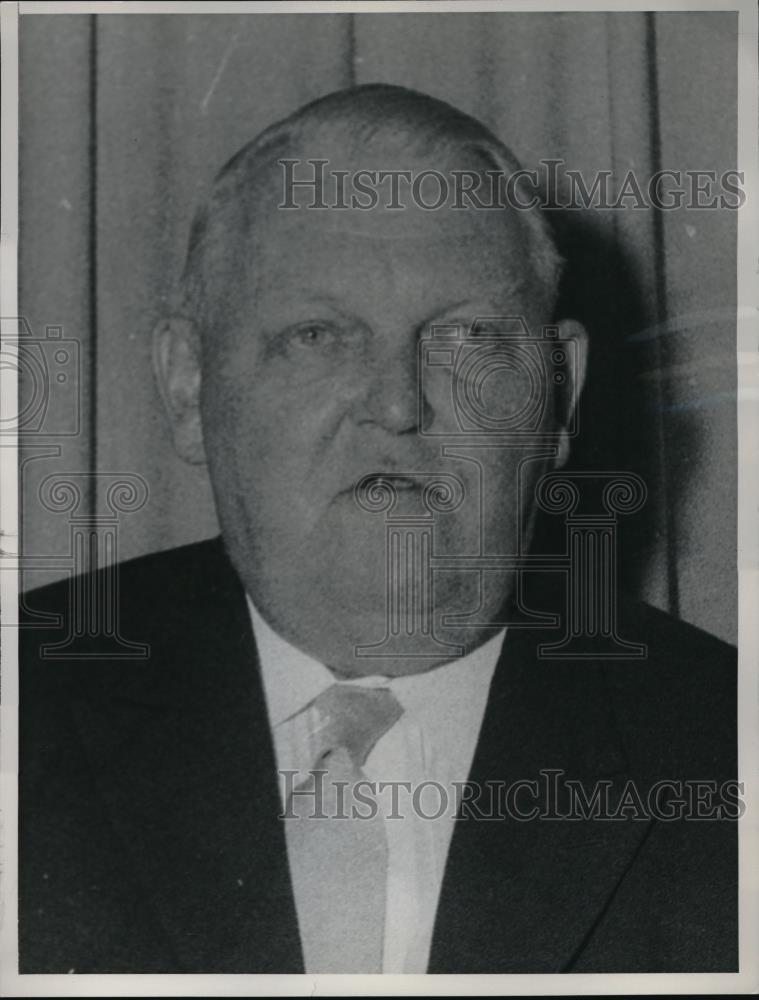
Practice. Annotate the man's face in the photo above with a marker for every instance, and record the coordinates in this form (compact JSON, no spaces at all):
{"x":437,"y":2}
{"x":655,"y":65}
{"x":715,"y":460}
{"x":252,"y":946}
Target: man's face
{"x":314,"y":383}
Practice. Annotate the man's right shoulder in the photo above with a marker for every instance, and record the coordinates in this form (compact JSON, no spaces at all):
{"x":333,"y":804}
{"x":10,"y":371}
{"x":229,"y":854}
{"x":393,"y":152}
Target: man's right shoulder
{"x":121,"y":615}
{"x":142,"y":579}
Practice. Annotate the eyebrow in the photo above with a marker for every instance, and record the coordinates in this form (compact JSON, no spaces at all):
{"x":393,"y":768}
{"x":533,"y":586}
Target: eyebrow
{"x":488,"y":307}
{"x":329,"y":299}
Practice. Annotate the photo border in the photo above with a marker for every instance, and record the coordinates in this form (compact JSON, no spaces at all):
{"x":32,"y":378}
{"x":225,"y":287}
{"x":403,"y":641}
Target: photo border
{"x":747,"y":360}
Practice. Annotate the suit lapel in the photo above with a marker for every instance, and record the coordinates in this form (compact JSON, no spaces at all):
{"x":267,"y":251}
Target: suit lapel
{"x":523,"y":896}
{"x":183,"y":756}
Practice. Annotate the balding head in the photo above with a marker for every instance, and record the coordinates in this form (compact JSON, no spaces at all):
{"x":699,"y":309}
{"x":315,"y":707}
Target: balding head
{"x":379,"y":126}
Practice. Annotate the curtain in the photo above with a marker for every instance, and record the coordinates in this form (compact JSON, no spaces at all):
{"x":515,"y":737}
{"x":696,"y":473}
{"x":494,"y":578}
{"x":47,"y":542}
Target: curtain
{"x":125,"y":119}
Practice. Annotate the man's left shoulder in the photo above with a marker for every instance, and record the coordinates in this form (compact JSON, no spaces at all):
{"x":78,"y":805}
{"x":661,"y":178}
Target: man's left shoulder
{"x":678,"y":701}
{"x":675,"y":654}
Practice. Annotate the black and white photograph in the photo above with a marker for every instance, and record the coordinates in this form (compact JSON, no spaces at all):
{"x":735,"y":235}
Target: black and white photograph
{"x":380,"y":516}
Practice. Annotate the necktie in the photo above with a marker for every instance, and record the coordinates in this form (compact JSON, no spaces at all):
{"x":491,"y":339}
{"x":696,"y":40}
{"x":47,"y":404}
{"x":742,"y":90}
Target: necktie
{"x":338,"y":860}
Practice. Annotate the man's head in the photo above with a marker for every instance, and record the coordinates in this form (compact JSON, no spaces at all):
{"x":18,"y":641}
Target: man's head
{"x":293,"y":367}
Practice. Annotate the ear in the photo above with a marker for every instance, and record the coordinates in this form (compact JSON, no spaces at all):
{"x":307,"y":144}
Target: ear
{"x":176,"y":362}
{"x":573,"y":332}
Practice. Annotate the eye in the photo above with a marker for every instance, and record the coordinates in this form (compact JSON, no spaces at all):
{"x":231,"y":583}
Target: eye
{"x":311,"y":335}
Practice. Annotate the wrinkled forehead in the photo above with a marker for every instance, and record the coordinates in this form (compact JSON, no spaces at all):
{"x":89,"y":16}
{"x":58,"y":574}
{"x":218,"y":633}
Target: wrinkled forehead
{"x":380,"y":191}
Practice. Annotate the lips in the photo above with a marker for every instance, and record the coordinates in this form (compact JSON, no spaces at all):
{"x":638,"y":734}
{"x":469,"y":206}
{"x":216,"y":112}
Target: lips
{"x":397,"y":480}
{"x":375,"y":487}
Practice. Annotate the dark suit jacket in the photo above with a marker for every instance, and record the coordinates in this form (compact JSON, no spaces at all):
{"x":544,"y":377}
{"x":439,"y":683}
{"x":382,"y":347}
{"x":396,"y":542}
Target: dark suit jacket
{"x":149,"y":838}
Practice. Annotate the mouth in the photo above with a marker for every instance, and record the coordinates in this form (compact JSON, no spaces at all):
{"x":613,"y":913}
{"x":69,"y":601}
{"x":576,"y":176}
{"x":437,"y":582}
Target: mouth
{"x":379,"y":491}
{"x":395,"y":481}
{"x":377,"y":485}
{"x":409,"y":493}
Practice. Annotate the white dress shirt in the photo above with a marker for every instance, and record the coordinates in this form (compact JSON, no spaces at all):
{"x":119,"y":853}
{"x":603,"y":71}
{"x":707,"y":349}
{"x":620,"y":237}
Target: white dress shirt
{"x":433,"y":741}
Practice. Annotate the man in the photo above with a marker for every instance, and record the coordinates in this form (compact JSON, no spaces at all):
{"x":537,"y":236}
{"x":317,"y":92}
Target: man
{"x":169,"y":817}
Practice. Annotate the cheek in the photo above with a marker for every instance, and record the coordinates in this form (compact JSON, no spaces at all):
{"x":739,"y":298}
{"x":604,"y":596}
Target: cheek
{"x":509,"y":496}
{"x":242,"y":419}
{"x":270,"y":407}
{"x":266,"y":450}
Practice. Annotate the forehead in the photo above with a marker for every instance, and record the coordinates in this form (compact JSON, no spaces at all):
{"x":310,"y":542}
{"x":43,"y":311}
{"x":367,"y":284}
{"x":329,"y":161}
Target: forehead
{"x":399,"y":255}
{"x":408,"y":250}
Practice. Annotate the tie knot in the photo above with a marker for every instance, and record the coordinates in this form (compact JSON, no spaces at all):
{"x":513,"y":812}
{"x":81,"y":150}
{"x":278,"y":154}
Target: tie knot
{"x":354,"y":718}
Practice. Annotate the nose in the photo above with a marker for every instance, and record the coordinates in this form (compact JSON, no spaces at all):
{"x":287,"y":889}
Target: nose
{"x":393,"y":396}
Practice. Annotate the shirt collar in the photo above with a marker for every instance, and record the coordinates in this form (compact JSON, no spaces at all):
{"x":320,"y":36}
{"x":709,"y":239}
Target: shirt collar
{"x":292,"y":679}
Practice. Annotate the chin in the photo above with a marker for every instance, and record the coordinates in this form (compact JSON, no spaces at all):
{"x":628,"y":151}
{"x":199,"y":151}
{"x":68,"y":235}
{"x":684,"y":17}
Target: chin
{"x":345,"y":623}
{"x":328,"y":594}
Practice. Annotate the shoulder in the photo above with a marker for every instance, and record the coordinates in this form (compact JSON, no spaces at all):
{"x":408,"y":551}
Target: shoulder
{"x":190,"y":569}
{"x":678,"y":656}
{"x":669,"y":703}
{"x":679,"y":701}
{"x":92,"y":628}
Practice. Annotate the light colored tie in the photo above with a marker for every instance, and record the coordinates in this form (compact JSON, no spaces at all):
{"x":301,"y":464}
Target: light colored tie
{"x":339,"y":865}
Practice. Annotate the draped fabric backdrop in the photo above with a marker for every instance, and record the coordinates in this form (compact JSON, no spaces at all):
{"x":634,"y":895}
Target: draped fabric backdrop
{"x":125,"y":119}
